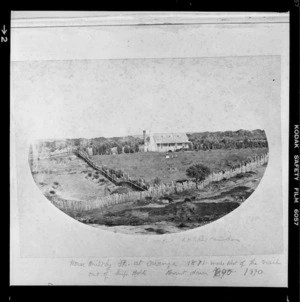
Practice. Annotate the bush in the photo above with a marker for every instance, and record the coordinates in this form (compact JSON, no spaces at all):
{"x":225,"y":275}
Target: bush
{"x":119,"y":173}
{"x":182,"y":181}
{"x":120,"y":190}
{"x":126,"y":149}
{"x":166,"y":198}
{"x":157,"y":181}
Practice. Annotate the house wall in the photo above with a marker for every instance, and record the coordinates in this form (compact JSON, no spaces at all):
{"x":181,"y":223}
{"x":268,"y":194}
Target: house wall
{"x":172,"y":147}
{"x":151,"y":145}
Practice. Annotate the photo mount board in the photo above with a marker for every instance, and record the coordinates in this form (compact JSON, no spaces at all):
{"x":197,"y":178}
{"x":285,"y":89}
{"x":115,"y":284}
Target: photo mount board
{"x":67,"y":247}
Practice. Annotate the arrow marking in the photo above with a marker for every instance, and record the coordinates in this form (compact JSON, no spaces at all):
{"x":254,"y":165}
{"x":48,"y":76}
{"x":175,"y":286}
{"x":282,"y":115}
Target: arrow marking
{"x":4,"y":30}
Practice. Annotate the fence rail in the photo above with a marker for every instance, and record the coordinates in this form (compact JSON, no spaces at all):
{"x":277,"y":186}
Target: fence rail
{"x":110,"y":176}
{"x":157,"y":190}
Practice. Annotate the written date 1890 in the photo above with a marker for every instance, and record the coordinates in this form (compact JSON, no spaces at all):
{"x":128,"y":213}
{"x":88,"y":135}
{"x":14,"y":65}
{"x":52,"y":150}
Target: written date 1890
{"x":220,"y":273}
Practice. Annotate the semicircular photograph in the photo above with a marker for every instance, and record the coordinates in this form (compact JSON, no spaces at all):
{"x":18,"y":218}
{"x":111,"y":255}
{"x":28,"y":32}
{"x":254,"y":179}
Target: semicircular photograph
{"x":153,"y":183}
{"x":150,"y":146}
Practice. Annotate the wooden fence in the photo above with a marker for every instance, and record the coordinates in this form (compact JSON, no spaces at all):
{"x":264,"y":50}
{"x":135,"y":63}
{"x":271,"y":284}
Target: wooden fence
{"x":138,"y":186}
{"x":161,"y":190}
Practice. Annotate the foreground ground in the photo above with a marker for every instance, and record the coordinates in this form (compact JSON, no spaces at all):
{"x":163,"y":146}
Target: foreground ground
{"x":70,"y":178}
{"x":185,"y":211}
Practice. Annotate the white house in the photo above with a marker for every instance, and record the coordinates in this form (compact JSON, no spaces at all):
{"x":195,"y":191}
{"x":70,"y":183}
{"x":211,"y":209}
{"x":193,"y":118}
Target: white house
{"x":164,"y":142}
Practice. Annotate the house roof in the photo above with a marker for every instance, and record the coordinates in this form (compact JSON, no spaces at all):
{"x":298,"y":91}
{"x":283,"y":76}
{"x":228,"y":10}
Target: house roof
{"x":170,"y":138}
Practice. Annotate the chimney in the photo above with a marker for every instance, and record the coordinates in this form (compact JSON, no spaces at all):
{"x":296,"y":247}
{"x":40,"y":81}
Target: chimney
{"x":144,"y":136}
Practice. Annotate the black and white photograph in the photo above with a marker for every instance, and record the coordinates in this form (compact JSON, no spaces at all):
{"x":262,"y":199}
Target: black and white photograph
{"x":149,"y":148}
{"x":204,"y":155}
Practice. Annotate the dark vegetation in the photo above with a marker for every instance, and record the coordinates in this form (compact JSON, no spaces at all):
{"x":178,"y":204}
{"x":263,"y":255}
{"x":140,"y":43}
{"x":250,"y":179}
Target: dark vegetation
{"x":228,"y":139}
{"x":181,"y":214}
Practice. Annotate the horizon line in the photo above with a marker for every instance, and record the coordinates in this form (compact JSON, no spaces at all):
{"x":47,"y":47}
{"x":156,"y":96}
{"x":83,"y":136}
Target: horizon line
{"x":108,"y":137}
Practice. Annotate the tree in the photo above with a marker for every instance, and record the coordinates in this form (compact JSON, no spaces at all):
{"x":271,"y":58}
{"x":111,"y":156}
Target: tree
{"x":126,"y":149}
{"x":199,"y":172}
{"x":157,"y":181}
{"x":119,"y":149}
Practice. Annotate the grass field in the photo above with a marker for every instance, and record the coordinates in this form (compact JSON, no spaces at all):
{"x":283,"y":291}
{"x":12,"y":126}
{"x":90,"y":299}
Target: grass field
{"x":149,"y":165}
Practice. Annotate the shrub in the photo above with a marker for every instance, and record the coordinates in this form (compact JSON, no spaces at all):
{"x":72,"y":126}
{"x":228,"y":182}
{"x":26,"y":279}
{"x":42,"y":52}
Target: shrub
{"x":126,"y":149}
{"x":166,"y":198}
{"x":181,"y":181}
{"x":157,"y":181}
{"x":120,"y":190}
{"x":119,"y":173}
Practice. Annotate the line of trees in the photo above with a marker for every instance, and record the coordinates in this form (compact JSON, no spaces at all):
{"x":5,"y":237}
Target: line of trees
{"x":110,"y":146}
{"x":228,"y":140}
{"x":203,"y":144}
{"x":131,"y":144}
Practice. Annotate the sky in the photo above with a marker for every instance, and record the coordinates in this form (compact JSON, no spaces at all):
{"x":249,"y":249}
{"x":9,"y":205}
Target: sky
{"x":93,"y":98}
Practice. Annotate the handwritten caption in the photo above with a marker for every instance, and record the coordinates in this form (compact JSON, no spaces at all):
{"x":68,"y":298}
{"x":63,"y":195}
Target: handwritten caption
{"x":128,"y":268}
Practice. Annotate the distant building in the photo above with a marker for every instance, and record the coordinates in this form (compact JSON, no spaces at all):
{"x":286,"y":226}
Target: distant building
{"x":164,"y":142}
